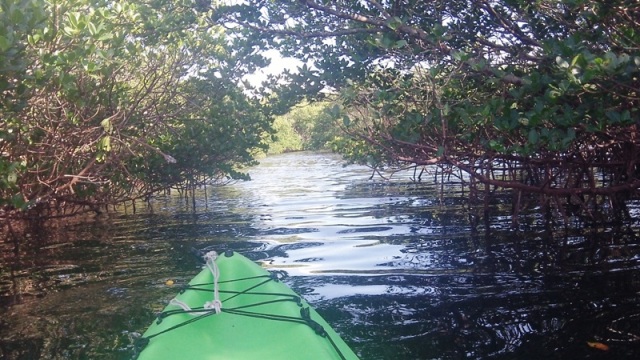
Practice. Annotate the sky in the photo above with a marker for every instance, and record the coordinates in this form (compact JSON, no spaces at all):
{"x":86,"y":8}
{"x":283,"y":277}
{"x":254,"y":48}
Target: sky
{"x":278,"y":64}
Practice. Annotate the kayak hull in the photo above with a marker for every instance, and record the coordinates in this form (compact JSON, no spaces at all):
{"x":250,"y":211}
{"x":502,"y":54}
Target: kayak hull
{"x":260,"y":318}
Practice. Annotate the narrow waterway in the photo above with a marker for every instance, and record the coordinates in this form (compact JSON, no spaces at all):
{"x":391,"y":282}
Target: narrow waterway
{"x":398,"y":268}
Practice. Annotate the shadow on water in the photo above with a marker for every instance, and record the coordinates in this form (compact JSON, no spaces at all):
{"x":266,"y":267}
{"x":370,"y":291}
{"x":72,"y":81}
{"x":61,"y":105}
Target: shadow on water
{"x":400,"y":270}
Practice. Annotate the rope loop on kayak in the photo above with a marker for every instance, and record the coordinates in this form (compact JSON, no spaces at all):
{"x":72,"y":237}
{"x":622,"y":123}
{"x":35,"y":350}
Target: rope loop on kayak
{"x":177,"y":302}
{"x":216,"y":304}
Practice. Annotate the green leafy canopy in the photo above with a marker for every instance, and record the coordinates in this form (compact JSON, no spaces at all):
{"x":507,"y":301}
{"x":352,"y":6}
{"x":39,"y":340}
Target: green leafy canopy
{"x":104,"y":101}
{"x":469,"y":83}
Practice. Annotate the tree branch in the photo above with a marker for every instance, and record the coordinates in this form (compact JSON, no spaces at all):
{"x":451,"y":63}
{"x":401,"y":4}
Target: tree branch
{"x":512,"y":28}
{"x":313,"y":34}
{"x":343,"y":15}
{"x":380,"y":8}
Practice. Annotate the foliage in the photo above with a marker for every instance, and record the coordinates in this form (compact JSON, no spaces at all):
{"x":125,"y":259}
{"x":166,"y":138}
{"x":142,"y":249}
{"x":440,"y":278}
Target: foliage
{"x":285,"y":139}
{"x":104,"y":101}
{"x":547,"y":87}
{"x":306,"y":127}
{"x":319,"y":126}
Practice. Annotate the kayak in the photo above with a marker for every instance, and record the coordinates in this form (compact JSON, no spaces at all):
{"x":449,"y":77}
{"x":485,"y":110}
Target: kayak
{"x":235,"y":309}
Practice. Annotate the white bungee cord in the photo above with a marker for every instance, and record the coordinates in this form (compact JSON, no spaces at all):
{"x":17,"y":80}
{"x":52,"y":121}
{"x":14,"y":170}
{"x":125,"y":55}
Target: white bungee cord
{"x":215,"y":304}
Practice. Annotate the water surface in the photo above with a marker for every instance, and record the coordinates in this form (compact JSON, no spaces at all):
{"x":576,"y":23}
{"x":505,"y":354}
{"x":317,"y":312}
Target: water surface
{"x":402,"y":270}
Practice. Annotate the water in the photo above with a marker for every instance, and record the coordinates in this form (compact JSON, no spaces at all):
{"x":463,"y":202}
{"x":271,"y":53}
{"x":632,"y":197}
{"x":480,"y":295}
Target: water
{"x":398,"y":268}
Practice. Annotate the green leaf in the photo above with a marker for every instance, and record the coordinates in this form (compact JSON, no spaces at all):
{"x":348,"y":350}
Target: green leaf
{"x":17,"y":16}
{"x":568,"y":138}
{"x":18,"y":202}
{"x":401,"y":43}
{"x":575,"y":60}
{"x":394,"y":23}
{"x":614,"y":116}
{"x":106,"y":125}
{"x":533,"y":137}
{"x":104,"y":144}
{"x":562,"y":62}
{"x":33,"y":39}
{"x":69,"y":30}
{"x":460,"y":55}
{"x":105,"y":36}
{"x":5,"y":43}
{"x":335,"y":110}
{"x":496,"y":145}
{"x":12,"y":178}
{"x":92,"y":28}
{"x":387,"y":41}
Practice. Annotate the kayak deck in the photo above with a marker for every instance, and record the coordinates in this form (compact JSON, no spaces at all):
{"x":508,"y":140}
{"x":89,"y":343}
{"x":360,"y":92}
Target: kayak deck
{"x":259,"y":317}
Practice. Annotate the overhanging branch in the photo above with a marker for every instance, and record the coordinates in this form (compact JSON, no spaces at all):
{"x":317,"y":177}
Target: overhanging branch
{"x":310,"y":34}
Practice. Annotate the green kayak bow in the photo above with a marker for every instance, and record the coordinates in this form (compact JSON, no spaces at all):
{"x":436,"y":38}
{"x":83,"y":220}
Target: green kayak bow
{"x":235,"y":309}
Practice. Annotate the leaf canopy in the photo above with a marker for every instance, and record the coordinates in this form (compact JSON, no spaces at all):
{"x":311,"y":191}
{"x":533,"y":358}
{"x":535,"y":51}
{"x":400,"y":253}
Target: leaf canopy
{"x":538,"y":85}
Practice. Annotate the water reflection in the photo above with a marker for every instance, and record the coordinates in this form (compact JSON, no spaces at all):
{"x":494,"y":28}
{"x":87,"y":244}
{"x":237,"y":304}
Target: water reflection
{"x":401,"y":270}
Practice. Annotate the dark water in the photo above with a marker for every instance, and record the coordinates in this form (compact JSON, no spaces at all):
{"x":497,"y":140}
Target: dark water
{"x":399,"y":269}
